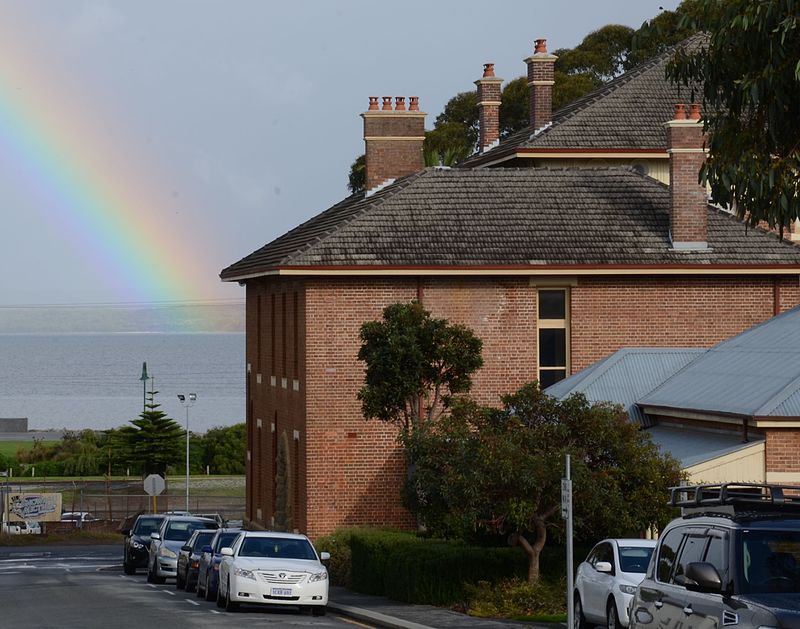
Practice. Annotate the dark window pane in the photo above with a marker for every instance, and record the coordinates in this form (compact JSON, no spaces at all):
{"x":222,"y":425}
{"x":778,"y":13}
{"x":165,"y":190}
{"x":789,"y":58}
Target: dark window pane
{"x":552,"y":304}
{"x":693,"y":550}
{"x":551,"y":376}
{"x":552,"y":347}
{"x":667,"y":554}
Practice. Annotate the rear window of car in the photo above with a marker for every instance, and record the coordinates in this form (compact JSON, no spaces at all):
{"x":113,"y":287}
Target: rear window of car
{"x":181,"y":531}
{"x":276,"y":547}
{"x":634,"y":558}
{"x":203,"y":539}
{"x":145,"y":526}
{"x":225,"y":539}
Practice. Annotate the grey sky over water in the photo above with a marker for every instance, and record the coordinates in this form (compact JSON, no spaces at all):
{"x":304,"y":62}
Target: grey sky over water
{"x":244,"y":111}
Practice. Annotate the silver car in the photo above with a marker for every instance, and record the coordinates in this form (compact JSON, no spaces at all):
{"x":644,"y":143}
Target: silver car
{"x":162,"y":562}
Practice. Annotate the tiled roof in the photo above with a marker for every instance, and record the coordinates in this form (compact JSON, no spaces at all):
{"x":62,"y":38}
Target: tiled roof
{"x":510,"y":218}
{"x":628,"y":112}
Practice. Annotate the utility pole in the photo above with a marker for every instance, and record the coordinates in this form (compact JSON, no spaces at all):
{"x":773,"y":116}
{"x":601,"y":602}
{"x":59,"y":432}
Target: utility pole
{"x":144,"y":380}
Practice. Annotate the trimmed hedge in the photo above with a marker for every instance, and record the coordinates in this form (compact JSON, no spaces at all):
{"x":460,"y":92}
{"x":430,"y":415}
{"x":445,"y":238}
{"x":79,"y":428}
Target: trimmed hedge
{"x":417,"y":570}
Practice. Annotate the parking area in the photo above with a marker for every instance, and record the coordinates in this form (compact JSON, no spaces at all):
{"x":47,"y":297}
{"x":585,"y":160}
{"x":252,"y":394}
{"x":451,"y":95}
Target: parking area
{"x":83,"y":586}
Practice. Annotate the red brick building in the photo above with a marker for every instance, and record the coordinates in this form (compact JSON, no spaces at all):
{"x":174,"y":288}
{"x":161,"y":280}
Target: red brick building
{"x":553,"y":268}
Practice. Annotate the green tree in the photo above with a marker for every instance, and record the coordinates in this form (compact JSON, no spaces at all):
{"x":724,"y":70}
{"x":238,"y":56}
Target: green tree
{"x":414,"y":365}
{"x":224,"y":449}
{"x":357,"y":178}
{"x":153,"y":441}
{"x":501,"y":469}
{"x":750,"y":78}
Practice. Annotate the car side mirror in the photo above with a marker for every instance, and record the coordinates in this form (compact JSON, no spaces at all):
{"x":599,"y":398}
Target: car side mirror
{"x":206,"y":549}
{"x":226,"y":552}
{"x":155,"y":535}
{"x":702,"y":577}
{"x":323,"y":556}
{"x":604,"y":566}
{"x":186,"y":548}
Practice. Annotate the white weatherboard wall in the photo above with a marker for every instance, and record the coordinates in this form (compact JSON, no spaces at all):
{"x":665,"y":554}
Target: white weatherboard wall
{"x":747,"y":465}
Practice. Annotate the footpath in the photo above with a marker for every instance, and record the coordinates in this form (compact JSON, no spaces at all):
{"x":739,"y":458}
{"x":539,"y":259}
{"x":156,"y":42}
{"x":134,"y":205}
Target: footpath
{"x":383,"y":612}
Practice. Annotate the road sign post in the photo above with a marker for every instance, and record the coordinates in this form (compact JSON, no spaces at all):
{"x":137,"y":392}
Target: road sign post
{"x":566,"y":513}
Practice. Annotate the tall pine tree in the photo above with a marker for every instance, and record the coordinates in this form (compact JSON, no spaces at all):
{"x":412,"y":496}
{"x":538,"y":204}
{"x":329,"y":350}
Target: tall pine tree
{"x":154,"y":441}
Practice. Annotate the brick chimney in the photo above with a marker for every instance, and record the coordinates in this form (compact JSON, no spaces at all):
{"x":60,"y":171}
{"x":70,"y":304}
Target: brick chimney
{"x":393,"y":139}
{"x":541,"y":68}
{"x":488,"y":107}
{"x":688,"y":215}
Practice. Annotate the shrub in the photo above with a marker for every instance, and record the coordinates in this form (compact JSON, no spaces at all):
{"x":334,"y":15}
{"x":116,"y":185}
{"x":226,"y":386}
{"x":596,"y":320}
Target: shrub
{"x":338,"y":545}
{"x":516,"y":599}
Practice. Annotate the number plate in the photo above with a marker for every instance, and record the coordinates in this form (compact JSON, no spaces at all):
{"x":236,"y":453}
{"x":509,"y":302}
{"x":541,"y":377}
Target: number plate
{"x":281,"y":591}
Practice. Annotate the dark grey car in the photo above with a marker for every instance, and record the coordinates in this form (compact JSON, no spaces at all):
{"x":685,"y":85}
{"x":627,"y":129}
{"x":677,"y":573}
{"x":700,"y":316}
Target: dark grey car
{"x":732,"y":560}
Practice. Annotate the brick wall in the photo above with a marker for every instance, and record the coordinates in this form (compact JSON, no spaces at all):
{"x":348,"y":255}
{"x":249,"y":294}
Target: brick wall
{"x":393,"y":144}
{"x":783,"y":446}
{"x":351,"y":469}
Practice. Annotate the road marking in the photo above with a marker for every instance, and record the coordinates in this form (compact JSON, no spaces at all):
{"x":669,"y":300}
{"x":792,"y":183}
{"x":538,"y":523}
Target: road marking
{"x":188,"y":600}
{"x":168,"y":592}
{"x":2,"y":574}
{"x":354,"y":622}
{"x":214,"y":611}
{"x":150,"y":585}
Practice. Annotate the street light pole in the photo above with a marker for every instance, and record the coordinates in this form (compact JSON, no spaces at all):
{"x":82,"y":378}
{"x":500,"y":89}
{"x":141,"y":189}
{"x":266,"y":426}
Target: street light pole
{"x":187,"y":402}
{"x":144,"y":380}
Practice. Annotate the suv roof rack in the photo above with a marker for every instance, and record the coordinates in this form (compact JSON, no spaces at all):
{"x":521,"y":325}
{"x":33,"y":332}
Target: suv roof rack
{"x":739,"y":496}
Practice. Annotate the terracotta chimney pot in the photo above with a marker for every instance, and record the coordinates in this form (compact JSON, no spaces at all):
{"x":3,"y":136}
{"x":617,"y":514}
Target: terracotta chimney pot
{"x":373,"y":103}
{"x":387,"y":103}
{"x":400,"y":103}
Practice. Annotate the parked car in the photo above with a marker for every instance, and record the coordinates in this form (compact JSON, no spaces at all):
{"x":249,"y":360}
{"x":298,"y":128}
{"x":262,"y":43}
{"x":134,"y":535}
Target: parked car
{"x":136,"y":547}
{"x":732,"y":559}
{"x":606,"y":581}
{"x":174,"y":532}
{"x":208,"y":570}
{"x":30,"y":527}
{"x":189,"y":559}
{"x":11,"y":528}
{"x":78,"y":517}
{"x":275,"y":568}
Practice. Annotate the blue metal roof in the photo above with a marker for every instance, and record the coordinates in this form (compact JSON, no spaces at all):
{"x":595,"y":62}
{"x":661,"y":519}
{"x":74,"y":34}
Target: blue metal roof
{"x":692,"y":446}
{"x":625,"y":376}
{"x":753,"y":374}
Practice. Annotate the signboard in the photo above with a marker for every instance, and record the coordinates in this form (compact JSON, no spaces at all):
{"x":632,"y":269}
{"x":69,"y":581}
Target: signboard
{"x":41,"y":507}
{"x":154,"y":485}
{"x":566,"y":497}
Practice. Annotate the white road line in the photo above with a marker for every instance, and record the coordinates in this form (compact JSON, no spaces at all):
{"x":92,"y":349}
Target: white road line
{"x":2,"y":574}
{"x":168,"y":592}
{"x":214,"y":611}
{"x":150,"y":585}
{"x":188,"y":600}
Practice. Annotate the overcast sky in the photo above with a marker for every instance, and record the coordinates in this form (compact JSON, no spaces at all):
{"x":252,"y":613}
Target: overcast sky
{"x":217,"y":125}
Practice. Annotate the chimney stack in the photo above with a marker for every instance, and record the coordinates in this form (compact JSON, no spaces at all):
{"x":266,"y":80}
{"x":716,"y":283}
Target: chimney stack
{"x":393,"y":139}
{"x":541,"y":69}
{"x":488,"y":107}
{"x":688,"y":213}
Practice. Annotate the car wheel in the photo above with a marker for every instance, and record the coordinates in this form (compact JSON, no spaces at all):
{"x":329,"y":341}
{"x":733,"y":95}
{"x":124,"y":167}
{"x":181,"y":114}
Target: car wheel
{"x":209,"y":591}
{"x":612,"y":618}
{"x":580,"y":619}
{"x":179,"y":583}
{"x":128,"y":568}
{"x":150,"y":575}
{"x":318,"y":610}
{"x":201,"y":593}
{"x":230,"y":606}
{"x":190,"y":584}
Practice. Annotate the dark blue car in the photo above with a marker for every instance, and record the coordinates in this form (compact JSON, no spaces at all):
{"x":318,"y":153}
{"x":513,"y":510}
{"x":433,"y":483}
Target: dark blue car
{"x":208,"y":570}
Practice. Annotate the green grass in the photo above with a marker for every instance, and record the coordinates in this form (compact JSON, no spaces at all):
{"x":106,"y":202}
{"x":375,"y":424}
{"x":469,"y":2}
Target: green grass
{"x":9,"y":448}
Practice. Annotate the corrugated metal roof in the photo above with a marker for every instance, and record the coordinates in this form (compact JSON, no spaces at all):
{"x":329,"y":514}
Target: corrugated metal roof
{"x":692,"y":446}
{"x":756,"y":373}
{"x":625,"y":376}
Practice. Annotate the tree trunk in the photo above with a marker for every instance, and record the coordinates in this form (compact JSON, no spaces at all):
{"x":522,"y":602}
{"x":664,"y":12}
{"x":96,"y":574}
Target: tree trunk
{"x":534,"y":550}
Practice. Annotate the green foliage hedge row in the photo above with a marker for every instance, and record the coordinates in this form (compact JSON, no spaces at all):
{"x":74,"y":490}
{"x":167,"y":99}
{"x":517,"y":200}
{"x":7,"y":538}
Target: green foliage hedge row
{"x":408,"y":568}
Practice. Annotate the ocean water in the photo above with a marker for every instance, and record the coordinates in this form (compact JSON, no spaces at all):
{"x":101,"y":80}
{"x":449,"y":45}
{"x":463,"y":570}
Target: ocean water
{"x":77,"y":381}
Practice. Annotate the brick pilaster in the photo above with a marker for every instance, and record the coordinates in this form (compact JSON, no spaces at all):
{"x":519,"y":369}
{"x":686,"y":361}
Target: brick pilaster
{"x":541,"y":70}
{"x":489,"y":107}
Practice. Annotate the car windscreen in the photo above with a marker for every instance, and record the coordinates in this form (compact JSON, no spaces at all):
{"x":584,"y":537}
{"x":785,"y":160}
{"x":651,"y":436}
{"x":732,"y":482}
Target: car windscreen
{"x":770,"y":562}
{"x":180,"y":531}
{"x":276,"y":547}
{"x":145,"y":526}
{"x":225,"y":539}
{"x":634,"y":558}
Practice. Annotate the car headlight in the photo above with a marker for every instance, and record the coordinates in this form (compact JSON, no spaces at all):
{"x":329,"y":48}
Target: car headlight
{"x":136,"y":545}
{"x":318,"y":576}
{"x":166,"y":552}
{"x":247,"y":574}
{"x":627,"y":589}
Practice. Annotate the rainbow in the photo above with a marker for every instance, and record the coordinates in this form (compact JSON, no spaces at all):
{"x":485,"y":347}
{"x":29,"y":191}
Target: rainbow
{"x":90,"y":189}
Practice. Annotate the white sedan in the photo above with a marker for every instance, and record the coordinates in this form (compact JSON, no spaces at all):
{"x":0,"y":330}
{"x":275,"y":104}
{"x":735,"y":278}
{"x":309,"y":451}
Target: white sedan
{"x":606,"y":581}
{"x":273,"y":568}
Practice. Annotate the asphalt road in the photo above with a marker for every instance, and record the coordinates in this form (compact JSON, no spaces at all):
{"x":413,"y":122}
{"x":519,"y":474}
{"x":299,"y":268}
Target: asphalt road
{"x":84,"y":587}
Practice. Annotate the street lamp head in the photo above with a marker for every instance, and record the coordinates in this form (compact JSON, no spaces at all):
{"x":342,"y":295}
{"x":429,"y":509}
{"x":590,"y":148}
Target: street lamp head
{"x":181,"y":398}
{"x":193,"y":397}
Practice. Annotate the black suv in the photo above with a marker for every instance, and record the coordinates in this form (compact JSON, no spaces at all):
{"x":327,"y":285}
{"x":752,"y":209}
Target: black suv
{"x":136,"y":547}
{"x":733,"y":559}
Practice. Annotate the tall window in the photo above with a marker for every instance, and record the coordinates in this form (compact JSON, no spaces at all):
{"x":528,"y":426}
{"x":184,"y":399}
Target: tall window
{"x":553,"y":335}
